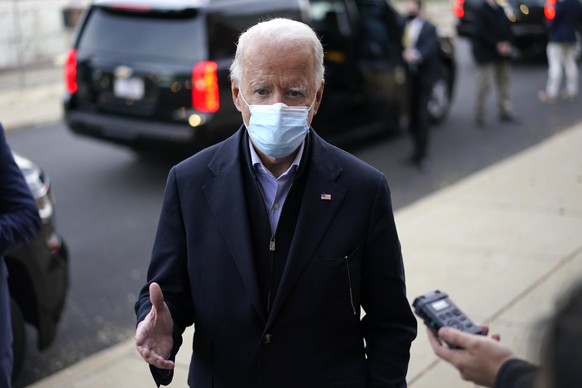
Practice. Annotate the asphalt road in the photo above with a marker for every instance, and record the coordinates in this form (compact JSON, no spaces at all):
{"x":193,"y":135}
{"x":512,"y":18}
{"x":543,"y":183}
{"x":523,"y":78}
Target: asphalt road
{"x":108,"y":200}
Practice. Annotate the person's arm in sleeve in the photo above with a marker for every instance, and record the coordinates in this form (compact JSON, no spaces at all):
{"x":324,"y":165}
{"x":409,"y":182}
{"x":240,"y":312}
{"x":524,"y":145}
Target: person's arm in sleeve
{"x":389,"y":327}
{"x":516,"y":373}
{"x":428,"y":46}
{"x":164,"y":308}
{"x":482,"y":28}
{"x":19,"y":218}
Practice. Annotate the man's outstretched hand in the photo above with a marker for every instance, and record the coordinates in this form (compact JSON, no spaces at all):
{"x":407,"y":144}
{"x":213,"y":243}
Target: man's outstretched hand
{"x":153,"y":336}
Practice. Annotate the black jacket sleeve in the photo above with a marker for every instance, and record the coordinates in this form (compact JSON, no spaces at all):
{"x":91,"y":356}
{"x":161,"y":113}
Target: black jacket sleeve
{"x":19,"y":219}
{"x":516,"y":373}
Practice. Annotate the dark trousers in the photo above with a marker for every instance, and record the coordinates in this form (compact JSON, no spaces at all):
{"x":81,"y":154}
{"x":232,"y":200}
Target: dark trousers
{"x":418,"y":125}
{"x":5,"y":329}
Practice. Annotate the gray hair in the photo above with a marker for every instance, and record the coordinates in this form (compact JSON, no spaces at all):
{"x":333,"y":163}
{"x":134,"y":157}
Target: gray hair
{"x":277,"y":31}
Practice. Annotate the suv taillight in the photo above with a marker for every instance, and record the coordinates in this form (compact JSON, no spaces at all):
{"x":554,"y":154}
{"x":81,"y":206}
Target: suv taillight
{"x":205,"y":93}
{"x":550,"y":10}
{"x":71,"y":72}
{"x":459,"y":8}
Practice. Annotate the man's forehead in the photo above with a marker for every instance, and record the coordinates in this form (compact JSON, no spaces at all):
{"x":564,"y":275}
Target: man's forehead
{"x":259,"y":74}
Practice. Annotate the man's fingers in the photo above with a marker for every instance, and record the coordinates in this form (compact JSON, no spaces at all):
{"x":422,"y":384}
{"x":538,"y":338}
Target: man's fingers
{"x":156,"y":296}
{"x":440,"y":350}
{"x":141,"y":333}
{"x":432,"y":339}
{"x":154,"y":359}
{"x":455,"y":337}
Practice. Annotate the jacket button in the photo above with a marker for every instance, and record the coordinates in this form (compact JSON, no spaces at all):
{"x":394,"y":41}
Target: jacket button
{"x":267,"y":339}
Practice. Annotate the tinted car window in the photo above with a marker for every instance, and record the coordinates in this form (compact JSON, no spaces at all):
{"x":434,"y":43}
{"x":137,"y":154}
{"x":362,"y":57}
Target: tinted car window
{"x":226,"y":24}
{"x":376,"y":29}
{"x":138,"y":34}
{"x":331,"y":21}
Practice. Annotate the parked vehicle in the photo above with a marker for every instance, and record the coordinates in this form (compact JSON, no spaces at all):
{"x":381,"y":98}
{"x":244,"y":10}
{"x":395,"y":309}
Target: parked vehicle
{"x":154,"y":74}
{"x":528,"y":22}
{"x":38,"y":272}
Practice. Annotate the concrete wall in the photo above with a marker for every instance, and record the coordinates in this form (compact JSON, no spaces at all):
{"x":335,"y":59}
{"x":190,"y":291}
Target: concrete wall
{"x":34,"y":31}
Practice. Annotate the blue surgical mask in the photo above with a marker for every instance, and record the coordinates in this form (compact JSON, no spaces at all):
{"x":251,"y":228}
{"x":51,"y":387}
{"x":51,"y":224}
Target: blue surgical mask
{"x":277,"y":130}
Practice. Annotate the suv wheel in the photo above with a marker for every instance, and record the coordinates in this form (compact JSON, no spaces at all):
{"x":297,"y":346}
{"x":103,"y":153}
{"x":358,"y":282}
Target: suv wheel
{"x":440,"y":99}
{"x":578,"y":47}
{"x":18,"y":337}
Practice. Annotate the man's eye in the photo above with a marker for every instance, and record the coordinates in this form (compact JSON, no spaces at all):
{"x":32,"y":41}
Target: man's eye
{"x":261,"y":92}
{"x":295,"y":93}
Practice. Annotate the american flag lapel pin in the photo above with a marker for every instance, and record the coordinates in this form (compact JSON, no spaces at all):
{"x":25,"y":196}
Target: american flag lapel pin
{"x":325,"y":197}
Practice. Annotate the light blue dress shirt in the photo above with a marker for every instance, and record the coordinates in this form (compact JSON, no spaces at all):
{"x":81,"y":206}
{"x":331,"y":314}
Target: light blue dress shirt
{"x":275,"y":190}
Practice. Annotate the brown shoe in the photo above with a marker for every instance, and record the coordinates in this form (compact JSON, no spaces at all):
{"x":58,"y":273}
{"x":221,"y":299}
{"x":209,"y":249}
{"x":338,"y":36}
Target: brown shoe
{"x":545,"y":97}
{"x":569,"y":96}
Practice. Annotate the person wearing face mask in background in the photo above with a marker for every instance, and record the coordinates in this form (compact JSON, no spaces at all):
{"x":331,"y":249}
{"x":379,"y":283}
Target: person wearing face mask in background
{"x":272,"y":241}
{"x":420,"y":44}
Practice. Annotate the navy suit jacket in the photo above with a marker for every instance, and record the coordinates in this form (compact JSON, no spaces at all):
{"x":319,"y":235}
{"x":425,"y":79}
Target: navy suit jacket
{"x":562,"y":28}
{"x":19,"y":222}
{"x":427,"y":45}
{"x":491,"y":27}
{"x":312,"y":337}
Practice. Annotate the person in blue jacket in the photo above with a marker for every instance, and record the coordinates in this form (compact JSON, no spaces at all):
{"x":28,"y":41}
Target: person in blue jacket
{"x":561,"y":51}
{"x":19,"y":222}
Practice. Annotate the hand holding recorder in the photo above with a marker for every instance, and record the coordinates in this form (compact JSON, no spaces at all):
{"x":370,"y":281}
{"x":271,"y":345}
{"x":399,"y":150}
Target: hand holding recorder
{"x":477,"y":357}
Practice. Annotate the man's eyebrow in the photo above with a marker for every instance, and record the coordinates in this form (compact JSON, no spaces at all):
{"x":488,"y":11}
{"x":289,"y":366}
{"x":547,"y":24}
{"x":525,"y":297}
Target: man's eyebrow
{"x":257,"y":84}
{"x":299,"y":88}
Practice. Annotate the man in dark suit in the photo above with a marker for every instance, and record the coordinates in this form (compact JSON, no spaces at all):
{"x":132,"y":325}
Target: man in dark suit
{"x":420,"y":44}
{"x":492,"y":49}
{"x":271,"y":241}
{"x":19,"y":222}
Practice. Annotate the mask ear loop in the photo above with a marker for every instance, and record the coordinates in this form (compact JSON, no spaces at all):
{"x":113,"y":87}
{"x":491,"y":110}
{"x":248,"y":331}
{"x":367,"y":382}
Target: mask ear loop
{"x":245,"y":101}
{"x":312,"y":102}
{"x":243,"y":97}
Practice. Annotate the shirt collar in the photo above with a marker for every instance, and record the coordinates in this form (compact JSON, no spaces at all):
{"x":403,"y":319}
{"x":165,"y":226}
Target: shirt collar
{"x":256,"y":160}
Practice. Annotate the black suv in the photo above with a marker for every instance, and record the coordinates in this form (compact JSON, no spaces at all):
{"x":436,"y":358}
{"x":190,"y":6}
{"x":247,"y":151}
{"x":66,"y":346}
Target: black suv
{"x":152,"y":74}
{"x":38,"y":271}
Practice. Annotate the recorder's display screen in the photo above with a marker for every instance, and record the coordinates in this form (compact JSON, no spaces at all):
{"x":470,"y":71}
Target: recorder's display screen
{"x":439,"y":305}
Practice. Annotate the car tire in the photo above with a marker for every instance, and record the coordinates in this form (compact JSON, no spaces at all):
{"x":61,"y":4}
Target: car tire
{"x":18,"y":338}
{"x":441,"y":96}
{"x":578,"y":45}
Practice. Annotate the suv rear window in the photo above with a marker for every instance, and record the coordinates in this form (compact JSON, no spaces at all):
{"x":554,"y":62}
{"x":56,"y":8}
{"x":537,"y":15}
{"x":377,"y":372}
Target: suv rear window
{"x":138,"y":33}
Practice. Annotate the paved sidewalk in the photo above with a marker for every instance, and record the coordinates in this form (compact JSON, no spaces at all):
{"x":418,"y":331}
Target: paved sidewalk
{"x":28,"y":107}
{"x":504,"y":243}
{"x":32,"y":96}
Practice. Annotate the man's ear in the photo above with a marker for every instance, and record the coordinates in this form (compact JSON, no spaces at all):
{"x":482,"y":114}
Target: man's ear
{"x":235,"y":94}
{"x":318,"y":97}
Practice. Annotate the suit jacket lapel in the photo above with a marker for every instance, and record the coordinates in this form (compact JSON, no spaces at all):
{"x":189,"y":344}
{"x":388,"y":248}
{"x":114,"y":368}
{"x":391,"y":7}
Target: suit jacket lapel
{"x":225,"y":197}
{"x":321,"y":200}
